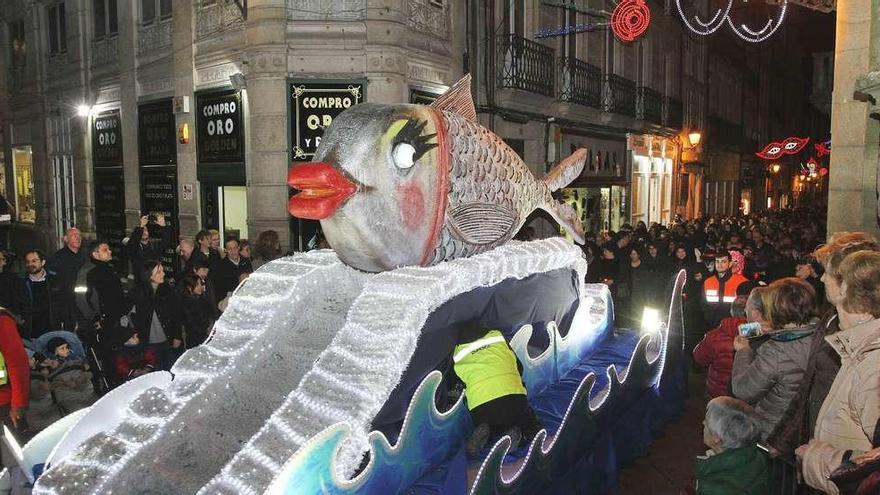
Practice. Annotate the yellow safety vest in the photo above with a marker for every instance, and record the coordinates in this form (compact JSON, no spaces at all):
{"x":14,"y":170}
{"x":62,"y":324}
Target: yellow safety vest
{"x":487,"y":367}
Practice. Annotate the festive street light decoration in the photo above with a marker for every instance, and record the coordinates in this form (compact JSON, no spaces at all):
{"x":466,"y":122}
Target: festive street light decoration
{"x":630,"y":19}
{"x":791,"y":146}
{"x":822,"y":149}
{"x":722,"y":16}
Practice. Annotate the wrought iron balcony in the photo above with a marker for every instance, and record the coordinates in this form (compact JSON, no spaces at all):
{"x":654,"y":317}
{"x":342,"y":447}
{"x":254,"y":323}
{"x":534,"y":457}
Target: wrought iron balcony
{"x":580,"y":82}
{"x":673,"y":115}
{"x":649,"y":105}
{"x":524,"y":64}
{"x":620,"y":95}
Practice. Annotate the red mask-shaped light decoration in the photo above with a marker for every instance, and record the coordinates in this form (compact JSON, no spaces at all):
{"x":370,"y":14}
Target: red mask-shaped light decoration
{"x":630,"y":19}
{"x":790,"y":146}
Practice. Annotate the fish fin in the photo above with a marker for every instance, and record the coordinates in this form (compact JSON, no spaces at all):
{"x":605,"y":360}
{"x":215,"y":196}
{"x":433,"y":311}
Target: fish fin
{"x":458,"y":99}
{"x":567,"y":218}
{"x":481,"y":223}
{"x":566,"y":171}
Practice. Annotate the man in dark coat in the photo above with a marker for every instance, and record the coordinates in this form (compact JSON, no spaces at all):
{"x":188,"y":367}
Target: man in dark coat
{"x":104,"y":300}
{"x":67,"y":261}
{"x":43,"y":303}
{"x":230,"y":269}
{"x":148,"y":242}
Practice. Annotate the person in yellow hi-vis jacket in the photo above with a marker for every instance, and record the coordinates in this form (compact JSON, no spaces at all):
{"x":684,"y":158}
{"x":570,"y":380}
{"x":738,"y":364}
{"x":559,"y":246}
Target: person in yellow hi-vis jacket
{"x":494,"y":389}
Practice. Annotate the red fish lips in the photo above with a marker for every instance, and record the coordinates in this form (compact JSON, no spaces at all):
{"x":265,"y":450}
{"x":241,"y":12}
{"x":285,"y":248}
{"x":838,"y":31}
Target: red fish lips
{"x":322,"y":190}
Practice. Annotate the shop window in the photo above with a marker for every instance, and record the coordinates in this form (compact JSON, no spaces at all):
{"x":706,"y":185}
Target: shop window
{"x":18,"y":54}
{"x":25,"y":204}
{"x":153,"y":9}
{"x":106,"y":21}
{"x":57,"y":22}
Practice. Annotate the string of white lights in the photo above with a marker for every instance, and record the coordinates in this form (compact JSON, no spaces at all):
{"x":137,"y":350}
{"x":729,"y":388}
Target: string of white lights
{"x":722,"y":17}
{"x":94,"y":466}
{"x":379,"y":337}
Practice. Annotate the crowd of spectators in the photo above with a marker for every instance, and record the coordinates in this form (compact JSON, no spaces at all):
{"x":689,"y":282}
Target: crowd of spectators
{"x":86,"y":325}
{"x":785,"y":324}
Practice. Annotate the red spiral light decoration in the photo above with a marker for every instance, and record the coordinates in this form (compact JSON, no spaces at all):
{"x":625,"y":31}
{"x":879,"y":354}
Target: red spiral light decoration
{"x":630,"y":19}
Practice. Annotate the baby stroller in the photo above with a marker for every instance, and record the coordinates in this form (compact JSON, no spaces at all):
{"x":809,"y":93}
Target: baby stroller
{"x":71,"y":381}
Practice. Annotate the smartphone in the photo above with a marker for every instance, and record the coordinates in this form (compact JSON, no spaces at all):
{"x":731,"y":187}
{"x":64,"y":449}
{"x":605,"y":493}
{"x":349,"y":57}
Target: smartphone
{"x":752,"y":329}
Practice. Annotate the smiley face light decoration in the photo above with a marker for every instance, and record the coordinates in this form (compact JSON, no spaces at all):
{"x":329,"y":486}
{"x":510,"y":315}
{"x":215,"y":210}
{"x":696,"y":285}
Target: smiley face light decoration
{"x":722,"y":17}
{"x":791,"y":146}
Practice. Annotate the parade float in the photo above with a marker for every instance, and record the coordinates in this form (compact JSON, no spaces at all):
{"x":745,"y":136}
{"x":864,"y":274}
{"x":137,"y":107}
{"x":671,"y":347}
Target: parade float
{"x":328,"y":371}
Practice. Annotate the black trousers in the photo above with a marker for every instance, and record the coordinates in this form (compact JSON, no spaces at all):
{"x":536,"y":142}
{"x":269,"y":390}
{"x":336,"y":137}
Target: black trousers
{"x":505,"y":412}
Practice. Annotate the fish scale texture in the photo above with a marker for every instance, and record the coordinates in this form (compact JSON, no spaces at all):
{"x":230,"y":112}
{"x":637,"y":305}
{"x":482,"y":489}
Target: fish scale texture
{"x":485,"y":170}
{"x":175,"y":440}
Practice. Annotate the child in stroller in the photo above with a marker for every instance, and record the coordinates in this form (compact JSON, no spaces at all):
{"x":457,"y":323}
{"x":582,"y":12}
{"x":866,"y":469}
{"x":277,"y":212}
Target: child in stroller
{"x":69,"y":375}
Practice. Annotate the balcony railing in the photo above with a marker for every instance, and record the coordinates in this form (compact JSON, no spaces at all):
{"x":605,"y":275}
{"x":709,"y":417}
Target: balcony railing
{"x":580,"y":82}
{"x":649,"y":105}
{"x":673,"y":115}
{"x":524,"y":64}
{"x":620,"y":95}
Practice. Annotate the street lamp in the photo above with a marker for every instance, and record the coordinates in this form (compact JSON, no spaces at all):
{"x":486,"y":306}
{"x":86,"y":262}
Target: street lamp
{"x":83,"y":110}
{"x":775,"y":168}
{"x":694,"y":138}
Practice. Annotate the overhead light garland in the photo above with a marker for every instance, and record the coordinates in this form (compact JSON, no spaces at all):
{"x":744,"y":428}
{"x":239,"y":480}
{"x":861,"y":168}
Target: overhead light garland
{"x":790,"y":146}
{"x":722,"y":16}
{"x":629,"y":20}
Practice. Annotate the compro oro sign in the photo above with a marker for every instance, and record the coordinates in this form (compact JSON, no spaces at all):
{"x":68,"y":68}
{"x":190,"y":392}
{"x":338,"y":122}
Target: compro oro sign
{"x":107,"y":139}
{"x":220,"y":134}
{"x":314,"y":105}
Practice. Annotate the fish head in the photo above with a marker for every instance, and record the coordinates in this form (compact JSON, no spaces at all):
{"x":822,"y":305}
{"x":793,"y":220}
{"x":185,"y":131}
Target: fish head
{"x":379,"y":185}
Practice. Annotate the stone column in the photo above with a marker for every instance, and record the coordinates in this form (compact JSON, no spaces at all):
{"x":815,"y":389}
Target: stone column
{"x":852,"y":195}
{"x":385,"y":53}
{"x":128,"y":28}
{"x":266,"y":124}
{"x":183,"y":82}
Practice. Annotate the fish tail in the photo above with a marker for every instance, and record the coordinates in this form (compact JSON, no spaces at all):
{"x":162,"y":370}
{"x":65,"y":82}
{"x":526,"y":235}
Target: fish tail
{"x":565,"y":171}
{"x":567,"y":218}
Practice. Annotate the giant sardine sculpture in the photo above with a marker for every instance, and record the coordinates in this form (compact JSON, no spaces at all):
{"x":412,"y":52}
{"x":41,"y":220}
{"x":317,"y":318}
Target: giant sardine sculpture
{"x":401,"y":185}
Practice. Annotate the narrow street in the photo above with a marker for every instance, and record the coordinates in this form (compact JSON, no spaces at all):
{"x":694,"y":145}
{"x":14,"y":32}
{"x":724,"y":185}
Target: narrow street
{"x":670,"y":463}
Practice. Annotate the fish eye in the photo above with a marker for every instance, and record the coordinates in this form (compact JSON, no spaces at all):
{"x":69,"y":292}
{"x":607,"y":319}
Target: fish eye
{"x":403,"y":155}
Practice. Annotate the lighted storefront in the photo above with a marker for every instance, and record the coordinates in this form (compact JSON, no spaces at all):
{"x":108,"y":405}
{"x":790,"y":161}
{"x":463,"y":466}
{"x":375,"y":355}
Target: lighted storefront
{"x":654,"y":161}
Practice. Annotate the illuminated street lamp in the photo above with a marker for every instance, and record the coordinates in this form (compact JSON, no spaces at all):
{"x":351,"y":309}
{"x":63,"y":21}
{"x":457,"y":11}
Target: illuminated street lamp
{"x":83,"y":110}
{"x":694,"y":138}
{"x":775,"y":168}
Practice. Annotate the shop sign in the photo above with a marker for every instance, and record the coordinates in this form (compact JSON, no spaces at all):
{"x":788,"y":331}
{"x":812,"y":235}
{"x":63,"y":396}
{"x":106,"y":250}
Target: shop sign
{"x":107,"y":139}
{"x":110,"y":214}
{"x":313,"y":106}
{"x":607,"y":159}
{"x":159,"y":197}
{"x":639,"y":144}
{"x":156,"y":134}
{"x":219,"y":128}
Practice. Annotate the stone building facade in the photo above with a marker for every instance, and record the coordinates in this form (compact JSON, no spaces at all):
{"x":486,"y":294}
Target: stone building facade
{"x":117,"y":108}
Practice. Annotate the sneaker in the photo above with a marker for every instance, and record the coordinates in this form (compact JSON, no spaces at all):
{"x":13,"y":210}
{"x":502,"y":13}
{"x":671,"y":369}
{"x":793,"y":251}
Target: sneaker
{"x":515,"y":435}
{"x":477,"y":441}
